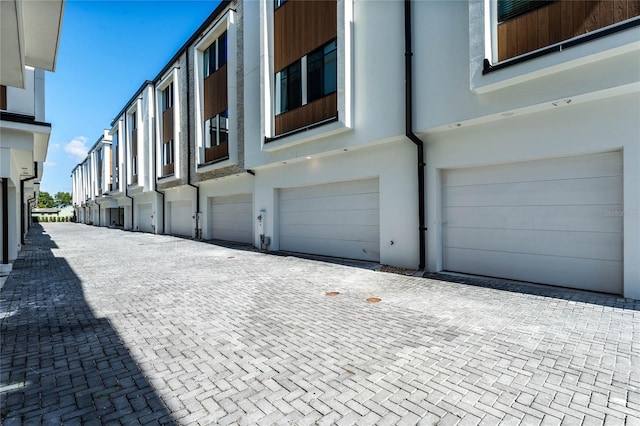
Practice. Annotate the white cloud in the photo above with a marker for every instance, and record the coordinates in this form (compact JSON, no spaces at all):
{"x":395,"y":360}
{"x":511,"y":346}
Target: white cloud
{"x":50,"y":164}
{"x":77,"y":147}
{"x":56,"y":147}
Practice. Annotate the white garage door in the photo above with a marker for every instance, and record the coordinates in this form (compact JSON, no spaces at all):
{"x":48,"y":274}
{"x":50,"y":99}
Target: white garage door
{"x":181,"y":218}
{"x":231,"y":218}
{"x":338,"y":219}
{"x":144,"y":217}
{"x":547,"y":221}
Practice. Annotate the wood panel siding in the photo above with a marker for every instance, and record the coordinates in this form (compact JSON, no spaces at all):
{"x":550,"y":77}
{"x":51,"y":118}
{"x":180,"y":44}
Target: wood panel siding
{"x":559,"y":21}
{"x":167,"y":137}
{"x":3,"y":97}
{"x":167,"y":125}
{"x":167,"y":169}
{"x":313,"y":112}
{"x":215,"y":93}
{"x":300,"y":26}
{"x":218,"y":152}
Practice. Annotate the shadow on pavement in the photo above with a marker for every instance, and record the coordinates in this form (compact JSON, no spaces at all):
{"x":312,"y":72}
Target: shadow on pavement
{"x":569,"y":294}
{"x":59,"y":363}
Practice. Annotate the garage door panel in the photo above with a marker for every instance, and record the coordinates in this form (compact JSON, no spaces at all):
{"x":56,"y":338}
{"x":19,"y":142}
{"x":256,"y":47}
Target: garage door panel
{"x":543,"y":221}
{"x":569,"y":218}
{"x":242,"y":199}
{"x":310,"y":218}
{"x":337,"y":219}
{"x":604,"y":190}
{"x":181,"y":217}
{"x":586,"y":166}
{"x":334,"y":232}
{"x":232,"y":218}
{"x":586,"y":245}
{"x":336,"y":248}
{"x":144,"y":217}
{"x":585,"y":274}
{"x":331,"y":189}
{"x":329,"y":203}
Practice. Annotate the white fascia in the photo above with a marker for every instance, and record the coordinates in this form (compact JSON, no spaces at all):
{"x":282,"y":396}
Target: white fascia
{"x":171,"y":77}
{"x":135,"y":107}
{"x":483,"y":43}
{"x":270,"y":91}
{"x":226,"y":22}
{"x":117,"y":128}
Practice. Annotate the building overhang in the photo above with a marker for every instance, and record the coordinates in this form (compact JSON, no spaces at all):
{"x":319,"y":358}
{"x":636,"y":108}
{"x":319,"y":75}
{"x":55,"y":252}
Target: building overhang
{"x":29,"y":36}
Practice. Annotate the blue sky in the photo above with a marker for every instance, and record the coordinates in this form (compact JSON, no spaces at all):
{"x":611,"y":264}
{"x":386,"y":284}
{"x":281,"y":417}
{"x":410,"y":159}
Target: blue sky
{"x":107,"y":50}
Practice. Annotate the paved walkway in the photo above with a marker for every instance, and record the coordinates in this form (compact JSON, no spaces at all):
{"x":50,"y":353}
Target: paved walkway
{"x":102,"y":326}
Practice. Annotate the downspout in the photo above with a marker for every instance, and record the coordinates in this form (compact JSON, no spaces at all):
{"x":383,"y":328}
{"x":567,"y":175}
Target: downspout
{"x":155,"y":167}
{"x":409,"y":131}
{"x":22,"y":203}
{"x":29,"y":204}
{"x":126,"y":169}
{"x":5,"y":221}
{"x":198,"y":236}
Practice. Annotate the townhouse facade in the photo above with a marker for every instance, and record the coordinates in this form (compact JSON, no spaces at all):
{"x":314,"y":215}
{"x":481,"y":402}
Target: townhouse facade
{"x":29,"y":35}
{"x":492,"y":138}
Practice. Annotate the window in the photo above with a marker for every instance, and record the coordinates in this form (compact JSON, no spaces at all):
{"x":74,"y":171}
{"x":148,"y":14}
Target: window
{"x":99,"y":170}
{"x":116,"y":158}
{"x":290,"y":83}
{"x":322,"y":71}
{"x":167,"y":98}
{"x":217,"y":130}
{"x":215,"y":56}
{"x":279,"y":3}
{"x":321,"y":77}
{"x":167,"y":153}
{"x":222,"y":50}
{"x":133,"y":119}
{"x":511,"y":8}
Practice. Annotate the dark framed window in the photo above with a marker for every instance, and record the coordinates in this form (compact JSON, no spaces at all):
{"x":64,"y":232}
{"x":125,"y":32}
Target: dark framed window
{"x":167,"y":97}
{"x":222,"y":50}
{"x":223,"y":127}
{"x":215,"y":56}
{"x":322,"y":70}
{"x":508,"y":9}
{"x":217,"y":130}
{"x":290,"y":87}
{"x":167,"y":153}
{"x":134,"y":121}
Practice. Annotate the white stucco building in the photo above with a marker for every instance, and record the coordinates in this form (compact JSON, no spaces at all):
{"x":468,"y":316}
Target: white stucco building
{"x":29,"y":39}
{"x":458,"y":139}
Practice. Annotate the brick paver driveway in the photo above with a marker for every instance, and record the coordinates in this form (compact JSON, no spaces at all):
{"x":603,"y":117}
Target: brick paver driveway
{"x":106,"y":326}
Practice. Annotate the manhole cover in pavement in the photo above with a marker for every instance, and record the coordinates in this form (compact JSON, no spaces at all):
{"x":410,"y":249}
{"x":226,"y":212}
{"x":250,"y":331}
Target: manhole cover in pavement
{"x":332,"y":293}
{"x":374,"y":299}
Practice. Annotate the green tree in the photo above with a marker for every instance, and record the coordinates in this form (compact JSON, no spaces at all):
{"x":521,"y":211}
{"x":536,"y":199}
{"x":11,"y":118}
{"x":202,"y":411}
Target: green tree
{"x":63,"y":198}
{"x":45,"y":200}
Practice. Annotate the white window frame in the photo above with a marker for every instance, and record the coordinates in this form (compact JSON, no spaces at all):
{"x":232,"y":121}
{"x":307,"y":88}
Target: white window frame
{"x":483,"y":24}
{"x":171,"y":77}
{"x":117,"y":165}
{"x":135,"y":109}
{"x":270,"y":93}
{"x":227,"y":22}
